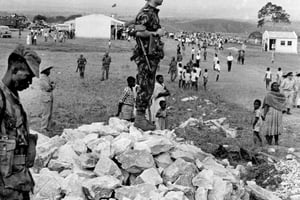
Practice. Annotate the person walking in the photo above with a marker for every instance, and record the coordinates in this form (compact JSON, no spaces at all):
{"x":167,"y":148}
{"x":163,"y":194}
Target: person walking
{"x":173,"y":69}
{"x":46,"y":86}
{"x":18,"y":146}
{"x":288,"y":86}
{"x":273,"y":108}
{"x":229,"y":61}
{"x":147,"y":31}
{"x":106,"y":60}
{"x":81,"y":62}
{"x":268,"y":77}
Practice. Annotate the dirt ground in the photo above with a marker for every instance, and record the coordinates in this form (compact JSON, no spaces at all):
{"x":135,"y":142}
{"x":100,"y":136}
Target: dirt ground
{"x":91,"y":100}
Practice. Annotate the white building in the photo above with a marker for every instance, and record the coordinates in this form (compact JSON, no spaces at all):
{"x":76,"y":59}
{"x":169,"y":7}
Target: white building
{"x":97,"y":26}
{"x":283,"y":42}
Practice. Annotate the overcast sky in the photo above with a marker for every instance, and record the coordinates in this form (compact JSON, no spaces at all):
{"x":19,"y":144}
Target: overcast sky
{"x":233,"y":9}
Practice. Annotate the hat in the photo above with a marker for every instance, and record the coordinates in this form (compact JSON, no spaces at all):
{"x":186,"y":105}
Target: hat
{"x":31,"y":58}
{"x":289,"y":74}
{"x":44,"y":68}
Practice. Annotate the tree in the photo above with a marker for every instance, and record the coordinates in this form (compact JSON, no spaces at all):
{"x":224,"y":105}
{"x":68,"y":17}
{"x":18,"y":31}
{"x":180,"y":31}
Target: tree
{"x":71,"y":17}
{"x":275,"y":13}
{"x":39,"y":18}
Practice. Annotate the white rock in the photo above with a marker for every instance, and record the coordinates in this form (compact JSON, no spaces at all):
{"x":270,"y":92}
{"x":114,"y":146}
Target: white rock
{"x":79,"y":146}
{"x":121,"y":144}
{"x":221,"y":190}
{"x":88,"y":161}
{"x":67,"y":154}
{"x":72,"y":185}
{"x":178,"y":168}
{"x":131,"y":192}
{"x":106,"y":166}
{"x":101,"y":185}
{"x":135,"y":161}
{"x":199,"y":164}
{"x":90,"y":138}
{"x":201,"y":194}
{"x":172,"y":195}
{"x":289,"y":157}
{"x":118,"y":124}
{"x":151,"y":176}
{"x":187,"y":156}
{"x":135,"y":133}
{"x":104,"y":149}
{"x":205,"y":179}
{"x":141,"y":146}
{"x":189,"y":122}
{"x":47,"y":184}
{"x":59,"y":165}
{"x":158,"y":144}
{"x":72,"y":134}
{"x":65,"y":173}
{"x":163,"y":160}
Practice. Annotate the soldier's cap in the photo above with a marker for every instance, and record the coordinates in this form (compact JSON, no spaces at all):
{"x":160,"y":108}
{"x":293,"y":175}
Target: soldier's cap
{"x":31,"y":58}
{"x":44,"y":68}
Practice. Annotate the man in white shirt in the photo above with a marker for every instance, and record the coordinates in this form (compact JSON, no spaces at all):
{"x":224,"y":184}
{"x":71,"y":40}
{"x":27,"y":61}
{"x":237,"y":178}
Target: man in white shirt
{"x":229,"y":61}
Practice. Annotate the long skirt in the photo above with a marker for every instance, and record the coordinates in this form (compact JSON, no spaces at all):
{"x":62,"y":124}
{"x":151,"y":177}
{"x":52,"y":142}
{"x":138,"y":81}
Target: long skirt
{"x":273,"y":123}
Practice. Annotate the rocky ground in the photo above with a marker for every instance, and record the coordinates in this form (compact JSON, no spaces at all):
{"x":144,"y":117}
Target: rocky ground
{"x":117,"y":161}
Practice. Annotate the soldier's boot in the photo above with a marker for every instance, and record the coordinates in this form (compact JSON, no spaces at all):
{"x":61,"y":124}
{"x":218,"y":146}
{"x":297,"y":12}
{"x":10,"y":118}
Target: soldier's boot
{"x":142,"y":123}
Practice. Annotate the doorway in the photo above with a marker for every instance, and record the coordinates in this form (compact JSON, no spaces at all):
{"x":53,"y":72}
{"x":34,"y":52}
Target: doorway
{"x":272,"y":44}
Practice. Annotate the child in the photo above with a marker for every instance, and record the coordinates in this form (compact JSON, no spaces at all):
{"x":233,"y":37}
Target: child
{"x":194,"y":79}
{"x":279,"y":76}
{"x":257,"y":122}
{"x":180,"y":75}
{"x":204,"y":54}
{"x":161,"y":122}
{"x":268,"y":77}
{"x":188,"y":78}
{"x":218,"y":70}
{"x":205,"y":79}
{"x":183,"y":77}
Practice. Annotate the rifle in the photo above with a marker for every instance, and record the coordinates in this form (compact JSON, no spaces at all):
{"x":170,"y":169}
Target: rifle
{"x":139,"y":42}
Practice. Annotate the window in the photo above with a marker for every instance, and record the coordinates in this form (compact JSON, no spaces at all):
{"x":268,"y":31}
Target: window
{"x":282,"y":43}
{"x":289,"y":43}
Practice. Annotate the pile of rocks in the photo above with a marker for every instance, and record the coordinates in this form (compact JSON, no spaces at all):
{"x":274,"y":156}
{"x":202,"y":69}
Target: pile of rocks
{"x":290,"y":185}
{"x":118,"y":161}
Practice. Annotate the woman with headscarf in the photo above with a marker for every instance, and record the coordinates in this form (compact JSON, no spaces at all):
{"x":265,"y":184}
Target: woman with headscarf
{"x":160,"y":93}
{"x":274,"y":106}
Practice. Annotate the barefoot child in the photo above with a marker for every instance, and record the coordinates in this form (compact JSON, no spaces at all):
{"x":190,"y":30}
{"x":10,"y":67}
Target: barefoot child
{"x":218,"y":70}
{"x":161,"y":122}
{"x":268,"y":77}
{"x":257,"y":122}
{"x":205,"y":78}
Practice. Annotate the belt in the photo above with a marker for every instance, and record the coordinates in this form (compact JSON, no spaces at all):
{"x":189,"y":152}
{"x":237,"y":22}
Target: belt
{"x":128,"y":104}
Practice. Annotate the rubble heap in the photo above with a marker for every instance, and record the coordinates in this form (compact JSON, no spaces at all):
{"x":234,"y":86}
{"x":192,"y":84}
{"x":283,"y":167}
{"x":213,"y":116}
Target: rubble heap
{"x":118,"y":161}
{"x":290,"y":186}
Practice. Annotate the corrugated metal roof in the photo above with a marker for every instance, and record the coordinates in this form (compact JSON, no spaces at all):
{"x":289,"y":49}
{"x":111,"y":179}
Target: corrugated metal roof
{"x":279,"y":34}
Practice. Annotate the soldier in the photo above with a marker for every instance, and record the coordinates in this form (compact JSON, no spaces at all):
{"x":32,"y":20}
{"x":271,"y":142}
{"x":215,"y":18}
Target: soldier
{"x":17,"y":145}
{"x":106,"y":60}
{"x":81,"y":62}
{"x":173,"y":69}
{"x":147,"y":55}
{"x":47,"y":86}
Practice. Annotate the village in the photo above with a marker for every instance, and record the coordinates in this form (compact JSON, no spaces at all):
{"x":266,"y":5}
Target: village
{"x":203,"y":148}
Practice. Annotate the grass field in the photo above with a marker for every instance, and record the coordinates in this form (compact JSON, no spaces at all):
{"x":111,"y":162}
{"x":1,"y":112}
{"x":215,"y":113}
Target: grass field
{"x":90,"y":100}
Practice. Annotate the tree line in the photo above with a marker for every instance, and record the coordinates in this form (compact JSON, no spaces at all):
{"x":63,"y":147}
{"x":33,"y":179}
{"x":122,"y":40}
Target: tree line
{"x":54,"y":19}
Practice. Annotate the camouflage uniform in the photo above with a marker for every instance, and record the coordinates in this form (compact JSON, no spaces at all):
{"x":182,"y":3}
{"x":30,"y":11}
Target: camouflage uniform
{"x":148,"y":18}
{"x":15,"y":179}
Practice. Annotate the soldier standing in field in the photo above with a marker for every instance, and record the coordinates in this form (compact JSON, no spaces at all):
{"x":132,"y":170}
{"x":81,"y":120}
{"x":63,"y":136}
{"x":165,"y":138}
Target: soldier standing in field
{"x":47,"y":86}
{"x":17,"y":145}
{"x":106,"y":60}
{"x":81,"y":62}
{"x":147,"y":55}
